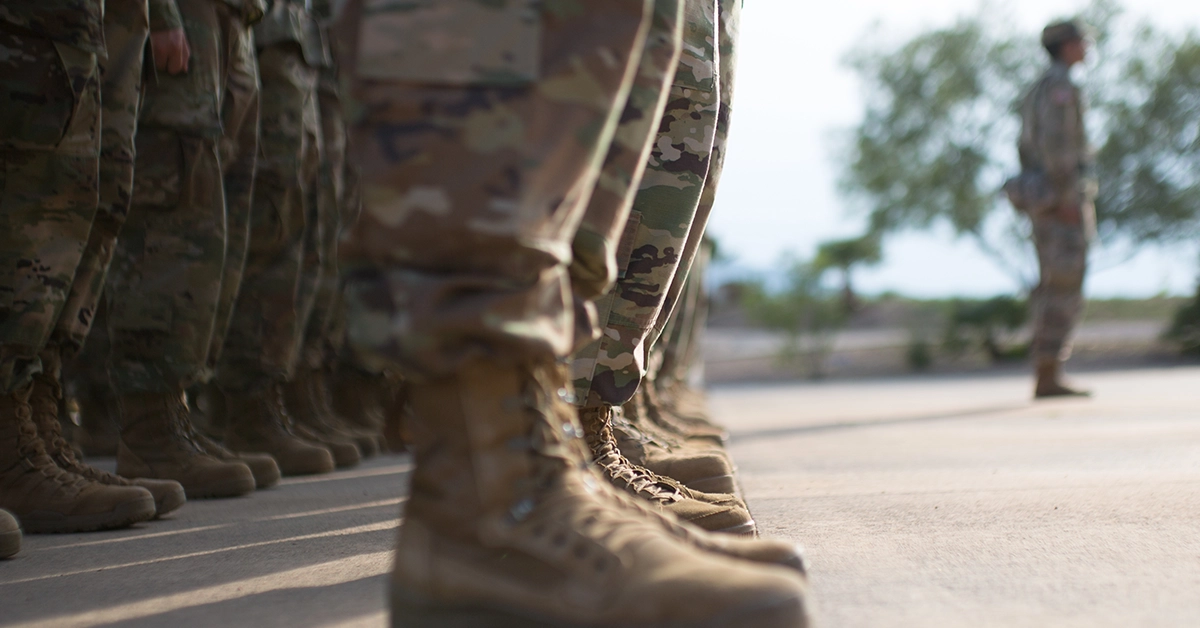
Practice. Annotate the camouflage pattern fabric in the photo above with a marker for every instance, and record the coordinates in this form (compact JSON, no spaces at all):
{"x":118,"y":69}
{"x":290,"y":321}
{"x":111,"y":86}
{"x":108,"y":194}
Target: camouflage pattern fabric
{"x":677,"y":358}
{"x":276,"y":296}
{"x":49,"y":149}
{"x":477,"y":167}
{"x":126,"y":29}
{"x":166,"y":280}
{"x":594,"y":265}
{"x":1054,"y":143}
{"x":730,"y":25}
{"x":1056,"y":304}
{"x":320,"y":341}
{"x":664,"y":211}
{"x":78,"y":24}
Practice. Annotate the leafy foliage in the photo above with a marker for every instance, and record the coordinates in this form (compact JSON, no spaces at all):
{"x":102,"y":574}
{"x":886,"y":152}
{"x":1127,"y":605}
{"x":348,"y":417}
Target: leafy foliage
{"x":805,"y":310}
{"x":937,"y":139}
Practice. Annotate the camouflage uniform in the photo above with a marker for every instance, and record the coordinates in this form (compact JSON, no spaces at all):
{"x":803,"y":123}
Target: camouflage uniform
{"x":127,"y":26}
{"x":276,"y":294}
{"x":319,"y":343}
{"x":49,"y":147}
{"x":1054,"y":143}
{"x":668,"y":217}
{"x":196,"y":149}
{"x":476,"y":174}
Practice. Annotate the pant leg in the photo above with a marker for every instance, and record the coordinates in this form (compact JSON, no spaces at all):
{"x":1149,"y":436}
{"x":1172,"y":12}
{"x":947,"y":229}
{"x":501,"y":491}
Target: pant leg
{"x":729,"y":27}
{"x":126,"y":29}
{"x":239,"y":155}
{"x":663,"y":214}
{"x":262,"y":344}
{"x":165,"y":280}
{"x":49,"y":169}
{"x":1057,"y":302}
{"x":319,"y":343}
{"x":474,"y":186}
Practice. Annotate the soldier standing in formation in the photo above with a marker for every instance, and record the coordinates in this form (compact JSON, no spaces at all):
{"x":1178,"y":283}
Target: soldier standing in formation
{"x":480,"y":148}
{"x":1054,"y":147}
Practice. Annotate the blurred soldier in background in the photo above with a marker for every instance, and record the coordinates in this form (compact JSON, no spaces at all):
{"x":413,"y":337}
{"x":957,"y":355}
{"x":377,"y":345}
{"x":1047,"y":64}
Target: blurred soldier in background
{"x":1057,"y":191}
{"x":483,"y":129}
{"x":50,"y":142}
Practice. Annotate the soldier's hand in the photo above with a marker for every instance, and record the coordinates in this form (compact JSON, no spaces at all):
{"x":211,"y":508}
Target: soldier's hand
{"x":171,"y":50}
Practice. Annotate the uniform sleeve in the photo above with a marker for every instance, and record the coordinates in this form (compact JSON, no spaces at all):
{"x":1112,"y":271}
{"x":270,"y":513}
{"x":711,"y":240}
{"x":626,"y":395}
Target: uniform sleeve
{"x":1062,"y":138}
{"x":164,"y":15}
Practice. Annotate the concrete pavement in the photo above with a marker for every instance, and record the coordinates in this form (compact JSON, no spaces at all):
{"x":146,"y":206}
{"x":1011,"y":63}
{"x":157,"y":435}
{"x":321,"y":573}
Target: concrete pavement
{"x":923,"y":501}
{"x":956,"y":502}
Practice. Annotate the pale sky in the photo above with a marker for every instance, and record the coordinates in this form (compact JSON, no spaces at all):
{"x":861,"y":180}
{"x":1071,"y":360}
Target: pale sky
{"x":779,"y":189}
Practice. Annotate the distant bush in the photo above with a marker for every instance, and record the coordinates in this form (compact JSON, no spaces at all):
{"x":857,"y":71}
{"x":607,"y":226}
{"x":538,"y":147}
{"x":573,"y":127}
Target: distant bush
{"x":989,"y":325}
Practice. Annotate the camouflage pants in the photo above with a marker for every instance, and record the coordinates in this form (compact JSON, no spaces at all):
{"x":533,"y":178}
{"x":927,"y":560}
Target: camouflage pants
{"x":196,"y":142}
{"x":666,"y":218}
{"x":677,"y":357}
{"x":1057,"y":303}
{"x":277,"y":293}
{"x":49,"y":148}
{"x":319,"y":343}
{"x":474,"y":187}
{"x":126,"y":29}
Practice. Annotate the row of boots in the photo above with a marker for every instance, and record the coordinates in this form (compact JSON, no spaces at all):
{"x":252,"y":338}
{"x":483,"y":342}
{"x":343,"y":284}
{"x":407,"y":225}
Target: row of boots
{"x":526,"y":511}
{"x":163,"y":457}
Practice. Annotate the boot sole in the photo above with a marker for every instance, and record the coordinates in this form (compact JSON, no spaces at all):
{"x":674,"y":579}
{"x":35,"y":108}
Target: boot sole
{"x":10,"y":543}
{"x":412,"y":610}
{"x":745,"y":529}
{"x":124,"y":515}
{"x":232,"y":487}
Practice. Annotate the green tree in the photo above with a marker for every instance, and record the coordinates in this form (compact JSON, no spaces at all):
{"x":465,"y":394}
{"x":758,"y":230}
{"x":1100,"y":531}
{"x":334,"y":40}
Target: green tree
{"x":807,"y":312}
{"x":937,"y":139}
{"x":846,"y":256}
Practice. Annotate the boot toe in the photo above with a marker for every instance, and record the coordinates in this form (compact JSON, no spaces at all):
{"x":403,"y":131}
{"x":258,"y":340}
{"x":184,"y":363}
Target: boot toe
{"x":10,"y":535}
{"x":305,"y":459}
{"x":264,"y":468}
{"x":168,"y":495}
{"x":218,"y":479}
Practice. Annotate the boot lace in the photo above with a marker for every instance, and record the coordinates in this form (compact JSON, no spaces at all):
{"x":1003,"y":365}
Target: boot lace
{"x":33,"y":455}
{"x":45,"y":402}
{"x":617,"y":467}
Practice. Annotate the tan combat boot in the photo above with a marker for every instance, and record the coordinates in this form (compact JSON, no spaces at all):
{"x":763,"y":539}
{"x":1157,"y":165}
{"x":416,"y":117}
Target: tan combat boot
{"x":358,"y":397}
{"x":507,"y":526}
{"x":321,"y":392}
{"x":708,"y":471}
{"x":313,"y":422}
{"x":157,"y":442}
{"x":47,"y":499}
{"x":10,"y":534}
{"x":1049,"y":382}
{"x":258,"y":423}
{"x":664,"y":417}
{"x":262,"y":466}
{"x":715,"y":513}
{"x":47,"y":400}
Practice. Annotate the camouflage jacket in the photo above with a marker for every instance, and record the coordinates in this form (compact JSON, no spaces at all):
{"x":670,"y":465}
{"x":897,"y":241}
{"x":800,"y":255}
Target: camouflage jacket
{"x":1053,"y":138}
{"x":78,"y":23}
{"x":294,"y":21}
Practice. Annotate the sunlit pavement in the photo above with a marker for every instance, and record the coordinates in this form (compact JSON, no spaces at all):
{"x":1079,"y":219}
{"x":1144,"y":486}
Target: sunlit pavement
{"x":922,"y":501}
{"x":958,"y":502}
{"x":313,"y":551}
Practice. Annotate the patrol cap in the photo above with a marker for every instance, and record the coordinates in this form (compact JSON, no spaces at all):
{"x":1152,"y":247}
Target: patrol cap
{"x":1062,"y":32}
